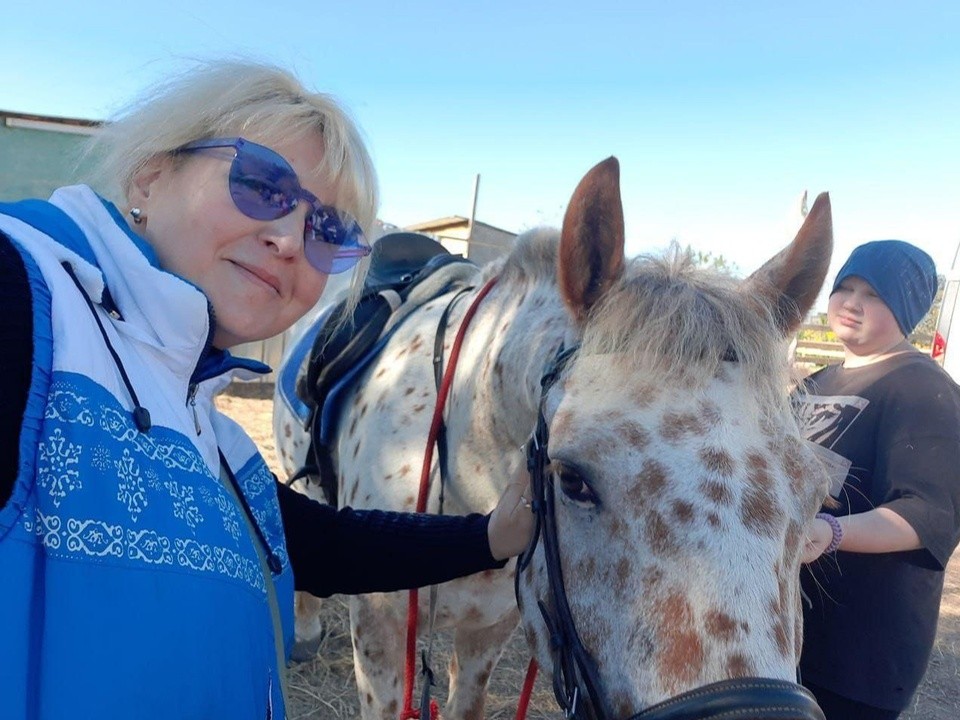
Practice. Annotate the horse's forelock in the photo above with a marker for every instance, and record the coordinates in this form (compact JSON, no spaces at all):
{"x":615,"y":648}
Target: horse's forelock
{"x":679,"y":320}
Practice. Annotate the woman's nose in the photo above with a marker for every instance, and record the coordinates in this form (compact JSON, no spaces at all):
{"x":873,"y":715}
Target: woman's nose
{"x":285,"y":234}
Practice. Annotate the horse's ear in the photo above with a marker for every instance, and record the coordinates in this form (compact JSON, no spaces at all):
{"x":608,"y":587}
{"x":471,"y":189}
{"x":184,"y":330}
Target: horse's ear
{"x":591,"y":243}
{"x":791,"y":280}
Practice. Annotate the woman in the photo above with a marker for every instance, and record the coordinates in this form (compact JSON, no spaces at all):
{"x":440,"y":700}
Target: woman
{"x":889,"y":418}
{"x":149,"y":555}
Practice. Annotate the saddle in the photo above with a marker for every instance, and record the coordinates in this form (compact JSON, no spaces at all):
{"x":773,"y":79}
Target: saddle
{"x":406,"y":271}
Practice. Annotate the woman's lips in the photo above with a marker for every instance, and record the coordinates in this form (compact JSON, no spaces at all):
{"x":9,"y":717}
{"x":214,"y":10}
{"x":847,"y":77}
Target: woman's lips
{"x":260,"y":275}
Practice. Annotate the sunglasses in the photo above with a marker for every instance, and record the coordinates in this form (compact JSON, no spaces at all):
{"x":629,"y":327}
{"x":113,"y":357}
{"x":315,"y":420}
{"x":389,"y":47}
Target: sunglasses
{"x":264,"y":187}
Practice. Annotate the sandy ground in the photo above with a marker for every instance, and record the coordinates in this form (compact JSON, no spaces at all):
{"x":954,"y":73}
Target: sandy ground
{"x":323,"y":688}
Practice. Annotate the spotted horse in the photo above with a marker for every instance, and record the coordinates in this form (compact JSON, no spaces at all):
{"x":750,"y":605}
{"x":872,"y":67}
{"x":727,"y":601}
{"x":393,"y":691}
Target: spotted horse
{"x":672,"y":485}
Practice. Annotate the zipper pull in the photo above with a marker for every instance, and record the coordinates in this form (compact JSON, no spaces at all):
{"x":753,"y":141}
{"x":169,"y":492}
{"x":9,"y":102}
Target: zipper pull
{"x":192,"y":400}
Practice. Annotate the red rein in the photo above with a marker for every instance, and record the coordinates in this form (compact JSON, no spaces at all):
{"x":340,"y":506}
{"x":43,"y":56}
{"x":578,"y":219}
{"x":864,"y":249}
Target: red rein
{"x":408,"y":712}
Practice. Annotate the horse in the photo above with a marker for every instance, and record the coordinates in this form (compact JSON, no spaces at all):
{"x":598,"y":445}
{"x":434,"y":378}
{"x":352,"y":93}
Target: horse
{"x":671,"y":485}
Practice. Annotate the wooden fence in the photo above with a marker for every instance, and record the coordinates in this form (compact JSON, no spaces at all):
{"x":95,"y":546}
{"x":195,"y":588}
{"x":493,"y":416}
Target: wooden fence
{"x":822,"y":351}
{"x":810,"y":353}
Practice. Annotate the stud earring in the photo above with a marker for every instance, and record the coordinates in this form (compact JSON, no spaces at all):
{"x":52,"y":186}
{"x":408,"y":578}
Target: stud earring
{"x":137,"y":215}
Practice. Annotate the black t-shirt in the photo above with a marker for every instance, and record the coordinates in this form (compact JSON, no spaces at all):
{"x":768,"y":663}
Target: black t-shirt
{"x":331,"y":551}
{"x":896,"y":426}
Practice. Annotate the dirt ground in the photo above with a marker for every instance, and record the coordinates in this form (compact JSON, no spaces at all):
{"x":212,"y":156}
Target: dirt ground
{"x":323,"y":687}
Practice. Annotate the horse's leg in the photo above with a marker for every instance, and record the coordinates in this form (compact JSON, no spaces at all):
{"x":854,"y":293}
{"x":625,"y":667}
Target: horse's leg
{"x":475,"y":654}
{"x":308,"y":630}
{"x":378,"y":628}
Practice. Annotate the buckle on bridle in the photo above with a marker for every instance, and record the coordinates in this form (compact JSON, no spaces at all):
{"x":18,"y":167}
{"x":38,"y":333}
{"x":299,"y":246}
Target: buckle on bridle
{"x":571,"y":709}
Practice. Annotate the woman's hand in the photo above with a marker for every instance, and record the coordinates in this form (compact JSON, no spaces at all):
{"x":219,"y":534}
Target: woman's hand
{"x":511,"y":522}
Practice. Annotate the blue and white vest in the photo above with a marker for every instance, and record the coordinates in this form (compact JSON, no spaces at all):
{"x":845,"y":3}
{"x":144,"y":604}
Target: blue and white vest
{"x":134,"y":584}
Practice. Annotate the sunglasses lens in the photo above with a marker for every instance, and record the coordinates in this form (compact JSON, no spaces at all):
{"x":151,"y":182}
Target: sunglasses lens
{"x":333,"y":241}
{"x":262,"y":184}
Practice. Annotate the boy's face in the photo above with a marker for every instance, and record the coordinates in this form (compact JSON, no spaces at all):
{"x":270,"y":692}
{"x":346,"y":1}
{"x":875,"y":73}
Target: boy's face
{"x":860,"y":319}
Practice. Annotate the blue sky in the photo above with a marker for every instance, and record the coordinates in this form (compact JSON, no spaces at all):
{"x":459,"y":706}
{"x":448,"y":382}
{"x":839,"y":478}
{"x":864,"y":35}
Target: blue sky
{"x":720,"y":116}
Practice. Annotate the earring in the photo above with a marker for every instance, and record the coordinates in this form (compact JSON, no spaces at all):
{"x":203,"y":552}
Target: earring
{"x":137,"y":215}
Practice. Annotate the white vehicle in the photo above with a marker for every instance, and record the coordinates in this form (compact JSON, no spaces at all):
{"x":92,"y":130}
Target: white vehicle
{"x":946,"y":347}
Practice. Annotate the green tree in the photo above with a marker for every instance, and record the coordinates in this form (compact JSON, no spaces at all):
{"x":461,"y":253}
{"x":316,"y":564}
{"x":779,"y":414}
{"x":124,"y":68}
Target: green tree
{"x":709,"y":260}
{"x":928,"y":325}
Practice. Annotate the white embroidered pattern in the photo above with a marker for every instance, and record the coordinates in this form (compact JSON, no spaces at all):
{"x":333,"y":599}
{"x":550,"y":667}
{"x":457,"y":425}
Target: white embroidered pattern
{"x":227,"y":510}
{"x":130,"y":488}
{"x":183,"y":505}
{"x":91,"y":452}
{"x":65,"y":404}
{"x":59,"y":461}
{"x":94,"y":537}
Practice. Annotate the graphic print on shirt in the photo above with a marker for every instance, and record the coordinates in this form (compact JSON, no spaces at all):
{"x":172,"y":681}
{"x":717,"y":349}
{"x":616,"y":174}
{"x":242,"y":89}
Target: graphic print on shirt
{"x":823,"y":420}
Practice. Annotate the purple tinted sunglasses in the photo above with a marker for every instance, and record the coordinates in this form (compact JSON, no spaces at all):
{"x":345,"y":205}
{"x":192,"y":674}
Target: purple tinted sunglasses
{"x":264,"y":187}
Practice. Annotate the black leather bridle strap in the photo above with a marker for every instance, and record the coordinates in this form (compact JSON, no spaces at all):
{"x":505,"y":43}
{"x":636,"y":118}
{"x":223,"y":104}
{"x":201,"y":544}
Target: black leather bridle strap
{"x":576,"y":680}
{"x":438,"y":341}
{"x":738,"y":699}
{"x":426,"y":655}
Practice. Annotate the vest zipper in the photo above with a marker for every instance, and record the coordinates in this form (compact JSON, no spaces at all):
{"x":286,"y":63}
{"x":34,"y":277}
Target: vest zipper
{"x":192,"y":402}
{"x":269,"y":564}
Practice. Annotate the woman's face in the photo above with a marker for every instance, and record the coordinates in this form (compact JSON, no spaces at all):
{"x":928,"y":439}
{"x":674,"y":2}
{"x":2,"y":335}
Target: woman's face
{"x":253,"y":271}
{"x":860,"y":319}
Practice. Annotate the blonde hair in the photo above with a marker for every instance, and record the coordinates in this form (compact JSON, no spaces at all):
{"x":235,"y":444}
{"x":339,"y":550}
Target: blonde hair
{"x":227,"y":98}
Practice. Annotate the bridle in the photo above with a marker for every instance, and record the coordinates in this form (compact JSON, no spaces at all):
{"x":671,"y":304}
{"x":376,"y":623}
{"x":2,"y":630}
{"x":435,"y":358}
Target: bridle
{"x":576,"y":680}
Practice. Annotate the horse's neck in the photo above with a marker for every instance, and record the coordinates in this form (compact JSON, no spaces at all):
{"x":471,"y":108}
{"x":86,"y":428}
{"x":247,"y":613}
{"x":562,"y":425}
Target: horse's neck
{"x":512,"y":339}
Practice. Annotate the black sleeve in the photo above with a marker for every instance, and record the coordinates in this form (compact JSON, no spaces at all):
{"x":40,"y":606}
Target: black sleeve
{"x":16,"y":353}
{"x":918,"y":455}
{"x":359,"y":551}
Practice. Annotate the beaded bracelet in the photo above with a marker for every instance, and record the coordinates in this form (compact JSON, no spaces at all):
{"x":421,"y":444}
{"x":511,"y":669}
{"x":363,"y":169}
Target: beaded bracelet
{"x":837,"y":531}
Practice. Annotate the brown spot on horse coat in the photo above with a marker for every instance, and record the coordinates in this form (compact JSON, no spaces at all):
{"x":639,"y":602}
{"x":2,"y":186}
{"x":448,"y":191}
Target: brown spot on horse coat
{"x":720,"y":625}
{"x":623,"y":572}
{"x":659,"y":534}
{"x":643,"y":395}
{"x":738,"y":665}
{"x":650,"y":482}
{"x":680,"y":655}
{"x":677,"y":426}
{"x":760,"y":512}
{"x":794,"y":465}
{"x":717,"y":461}
{"x":682,"y":510}
{"x":758,"y":472}
{"x":709,"y":413}
{"x":635,"y":434}
{"x":716,"y":491}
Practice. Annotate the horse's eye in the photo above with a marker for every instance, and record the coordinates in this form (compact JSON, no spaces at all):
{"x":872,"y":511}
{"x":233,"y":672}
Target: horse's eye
{"x":574,"y":486}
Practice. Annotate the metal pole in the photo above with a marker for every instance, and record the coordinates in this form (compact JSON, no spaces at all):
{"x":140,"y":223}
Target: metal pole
{"x":473,"y":208}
